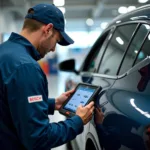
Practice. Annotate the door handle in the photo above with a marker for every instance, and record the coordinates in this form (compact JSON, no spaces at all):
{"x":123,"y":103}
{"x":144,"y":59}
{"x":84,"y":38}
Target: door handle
{"x":103,"y":104}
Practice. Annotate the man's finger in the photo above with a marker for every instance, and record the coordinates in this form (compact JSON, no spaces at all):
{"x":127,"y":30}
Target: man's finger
{"x":89,"y":117}
{"x":91,"y":104}
{"x":92,"y":109}
{"x":69,"y":92}
{"x":90,"y":112}
{"x":96,"y":110}
{"x":80,"y":106}
{"x":99,"y":111}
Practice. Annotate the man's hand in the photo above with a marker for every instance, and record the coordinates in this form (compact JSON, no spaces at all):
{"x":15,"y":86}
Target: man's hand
{"x":85,"y":112}
{"x":99,"y":116}
{"x":62,"y":98}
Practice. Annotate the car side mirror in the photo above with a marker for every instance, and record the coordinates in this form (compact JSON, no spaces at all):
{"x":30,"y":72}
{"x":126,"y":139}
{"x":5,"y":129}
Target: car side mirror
{"x":68,"y":66}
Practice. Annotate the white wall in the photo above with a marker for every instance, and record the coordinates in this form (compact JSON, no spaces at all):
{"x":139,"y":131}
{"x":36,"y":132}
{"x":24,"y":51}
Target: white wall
{"x":7,"y":24}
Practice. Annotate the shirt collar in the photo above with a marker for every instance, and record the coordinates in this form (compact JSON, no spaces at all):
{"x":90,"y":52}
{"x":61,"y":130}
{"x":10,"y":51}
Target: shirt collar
{"x":17,"y":38}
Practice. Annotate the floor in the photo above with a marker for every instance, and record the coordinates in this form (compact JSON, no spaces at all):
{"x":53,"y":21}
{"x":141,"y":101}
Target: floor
{"x":56,"y":87}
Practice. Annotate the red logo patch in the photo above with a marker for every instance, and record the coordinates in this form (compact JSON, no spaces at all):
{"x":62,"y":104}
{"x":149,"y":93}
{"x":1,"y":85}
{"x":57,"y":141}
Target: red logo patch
{"x":37,"y":98}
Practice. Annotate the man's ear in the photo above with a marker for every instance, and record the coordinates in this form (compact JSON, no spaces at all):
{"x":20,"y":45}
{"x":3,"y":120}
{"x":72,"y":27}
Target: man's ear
{"x":48,"y":28}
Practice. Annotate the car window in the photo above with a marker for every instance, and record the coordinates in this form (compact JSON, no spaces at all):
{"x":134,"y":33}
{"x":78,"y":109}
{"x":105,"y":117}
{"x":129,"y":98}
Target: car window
{"x":134,"y":48}
{"x":116,"y":48}
{"x":91,"y":62}
{"x":145,"y":50}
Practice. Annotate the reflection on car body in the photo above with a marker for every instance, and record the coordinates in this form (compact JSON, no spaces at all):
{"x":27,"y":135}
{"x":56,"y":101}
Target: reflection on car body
{"x":119,"y":62}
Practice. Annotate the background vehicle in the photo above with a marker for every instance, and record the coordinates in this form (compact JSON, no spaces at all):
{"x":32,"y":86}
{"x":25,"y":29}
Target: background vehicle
{"x":119,"y":62}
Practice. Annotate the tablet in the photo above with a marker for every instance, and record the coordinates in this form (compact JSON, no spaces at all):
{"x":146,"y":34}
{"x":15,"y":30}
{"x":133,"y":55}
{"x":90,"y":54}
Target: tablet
{"x":83,"y":94}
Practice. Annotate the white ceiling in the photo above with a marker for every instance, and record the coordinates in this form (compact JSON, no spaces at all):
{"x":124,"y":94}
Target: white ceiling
{"x":77,"y":11}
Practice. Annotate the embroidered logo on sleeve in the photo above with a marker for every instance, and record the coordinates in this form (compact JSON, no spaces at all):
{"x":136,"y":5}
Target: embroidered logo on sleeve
{"x":37,"y":98}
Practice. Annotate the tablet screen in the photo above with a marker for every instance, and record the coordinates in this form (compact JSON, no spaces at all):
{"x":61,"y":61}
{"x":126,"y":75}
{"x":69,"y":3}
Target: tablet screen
{"x":80,"y":97}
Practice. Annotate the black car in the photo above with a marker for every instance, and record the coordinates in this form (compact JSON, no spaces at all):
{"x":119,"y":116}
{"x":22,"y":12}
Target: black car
{"x":119,"y":62}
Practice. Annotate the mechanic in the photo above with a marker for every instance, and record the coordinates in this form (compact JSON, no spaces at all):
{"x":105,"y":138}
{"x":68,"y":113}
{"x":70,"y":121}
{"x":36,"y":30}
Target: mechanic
{"x":24,"y":102}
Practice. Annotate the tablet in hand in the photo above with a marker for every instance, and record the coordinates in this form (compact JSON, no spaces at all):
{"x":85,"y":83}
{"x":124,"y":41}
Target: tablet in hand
{"x":84,"y":94}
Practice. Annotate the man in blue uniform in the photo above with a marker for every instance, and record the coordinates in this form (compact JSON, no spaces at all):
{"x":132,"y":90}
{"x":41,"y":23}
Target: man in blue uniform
{"x":24,"y":102}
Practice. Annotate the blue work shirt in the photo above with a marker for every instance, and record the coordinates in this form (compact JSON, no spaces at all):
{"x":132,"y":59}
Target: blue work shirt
{"x":24,"y":103}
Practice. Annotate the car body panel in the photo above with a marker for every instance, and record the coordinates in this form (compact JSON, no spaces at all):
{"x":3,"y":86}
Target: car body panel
{"x":124,"y":98}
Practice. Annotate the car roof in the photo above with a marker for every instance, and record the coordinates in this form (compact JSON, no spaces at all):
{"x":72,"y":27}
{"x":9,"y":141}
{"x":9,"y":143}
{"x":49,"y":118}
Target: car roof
{"x":141,"y":13}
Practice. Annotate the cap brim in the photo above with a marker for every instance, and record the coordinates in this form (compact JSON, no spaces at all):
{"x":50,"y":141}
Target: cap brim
{"x":66,"y":39}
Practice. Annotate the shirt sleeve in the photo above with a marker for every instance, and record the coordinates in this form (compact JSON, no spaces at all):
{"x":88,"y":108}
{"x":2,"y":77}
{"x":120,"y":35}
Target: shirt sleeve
{"x":29,"y":107}
{"x":51,"y":106}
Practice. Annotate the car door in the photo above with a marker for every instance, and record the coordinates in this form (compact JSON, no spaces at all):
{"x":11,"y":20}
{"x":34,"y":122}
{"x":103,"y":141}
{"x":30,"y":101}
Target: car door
{"x":89,"y":66}
{"x":106,"y":75}
{"x":107,"y":55}
{"x":126,"y":110}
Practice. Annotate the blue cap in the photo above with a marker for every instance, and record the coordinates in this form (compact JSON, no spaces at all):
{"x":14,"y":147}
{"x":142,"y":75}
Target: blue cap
{"x":47,"y":13}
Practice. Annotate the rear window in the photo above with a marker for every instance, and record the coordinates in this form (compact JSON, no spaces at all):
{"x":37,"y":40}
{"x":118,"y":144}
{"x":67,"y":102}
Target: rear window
{"x":145,"y":50}
{"x":116,"y":49}
{"x":134,"y":48}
